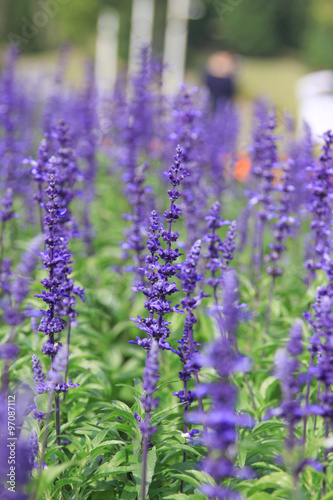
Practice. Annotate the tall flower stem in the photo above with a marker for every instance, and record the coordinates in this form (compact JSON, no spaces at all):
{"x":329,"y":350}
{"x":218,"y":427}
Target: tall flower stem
{"x":44,"y":445}
{"x":149,"y":403}
{"x":269,"y":304}
{"x":327,"y":426}
{"x":144,"y":466}
{"x":67,"y":361}
{"x":1,"y":241}
{"x":259,"y":260}
{"x":195,"y":375}
{"x":307,"y":398}
{"x":317,"y":401}
{"x":57,"y":417}
{"x":41,"y":223}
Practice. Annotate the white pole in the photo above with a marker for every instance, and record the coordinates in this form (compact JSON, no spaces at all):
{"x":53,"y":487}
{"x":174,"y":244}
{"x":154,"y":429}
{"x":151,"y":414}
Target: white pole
{"x":107,"y":49}
{"x":141,"y":30}
{"x":175,"y":43}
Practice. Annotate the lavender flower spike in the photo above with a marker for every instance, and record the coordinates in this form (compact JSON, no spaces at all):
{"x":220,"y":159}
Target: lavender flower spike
{"x":219,"y":255}
{"x":221,"y":422}
{"x":157,"y":273}
{"x":286,"y":366}
{"x":6,"y":213}
{"x":319,"y":206}
{"x":39,"y":375}
{"x":281,"y":230}
{"x":186,"y":351}
{"x":33,"y":447}
{"x":264,"y":160}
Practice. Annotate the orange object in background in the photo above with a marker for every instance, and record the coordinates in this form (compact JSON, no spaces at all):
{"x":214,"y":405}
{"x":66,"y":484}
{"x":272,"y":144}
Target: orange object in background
{"x":242,"y":166}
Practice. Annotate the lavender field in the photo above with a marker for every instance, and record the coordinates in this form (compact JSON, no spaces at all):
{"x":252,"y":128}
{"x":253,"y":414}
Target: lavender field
{"x":166,"y":299}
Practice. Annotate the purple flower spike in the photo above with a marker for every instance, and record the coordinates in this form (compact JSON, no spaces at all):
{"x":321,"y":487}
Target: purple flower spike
{"x":264,"y":161}
{"x":159,"y":273}
{"x":33,"y":447}
{"x":221,"y":422}
{"x":319,"y":206}
{"x":135,"y":235}
{"x":188,"y":131}
{"x":187,"y":345}
{"x":150,"y":379}
{"x":286,"y":370}
{"x":39,"y":375}
{"x":285,"y":222}
{"x":7,"y":211}
{"x":219,"y":256}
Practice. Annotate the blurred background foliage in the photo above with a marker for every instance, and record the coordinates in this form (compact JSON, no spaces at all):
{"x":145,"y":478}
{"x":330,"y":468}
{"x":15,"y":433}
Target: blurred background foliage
{"x":249,"y":27}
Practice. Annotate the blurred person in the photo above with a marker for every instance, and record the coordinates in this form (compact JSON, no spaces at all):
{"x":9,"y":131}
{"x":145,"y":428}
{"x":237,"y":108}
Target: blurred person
{"x":220,"y":77}
{"x":314,"y":92}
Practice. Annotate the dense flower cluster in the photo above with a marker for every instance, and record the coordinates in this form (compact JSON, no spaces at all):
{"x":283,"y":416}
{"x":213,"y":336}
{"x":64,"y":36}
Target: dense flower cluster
{"x":39,"y":375}
{"x":216,"y":250}
{"x":286,"y":370}
{"x":284,"y":224}
{"x":319,"y":206}
{"x":187,"y":345}
{"x":160,"y":266}
{"x":18,"y":286}
{"x":221,"y":140}
{"x":60,"y":172}
{"x":221,"y":421}
{"x":87,"y":150}
{"x":15,"y":129}
{"x":264,"y":160}
{"x":264,"y":163}
{"x":321,"y":349}
{"x":188,"y":133}
{"x":53,"y":261}
{"x":134,"y":235}
{"x":301,"y":157}
{"x":219,"y":255}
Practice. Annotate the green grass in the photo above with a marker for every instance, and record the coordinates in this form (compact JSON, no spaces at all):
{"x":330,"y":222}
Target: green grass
{"x":273,"y":77}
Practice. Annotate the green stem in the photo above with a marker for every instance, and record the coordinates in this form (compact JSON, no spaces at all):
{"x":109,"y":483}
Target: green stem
{"x":57,"y":417}
{"x":144,"y":467}
{"x":269,"y":305}
{"x":307,"y":397}
{"x":67,"y":360}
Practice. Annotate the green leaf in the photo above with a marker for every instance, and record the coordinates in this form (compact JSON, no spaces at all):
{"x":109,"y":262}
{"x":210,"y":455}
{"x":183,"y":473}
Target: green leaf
{"x":50,"y":474}
{"x":159,"y":416}
{"x":67,"y":424}
{"x":42,"y":402}
{"x":136,"y":443}
{"x":178,"y":496}
{"x":99,"y":438}
{"x":137,"y":473}
{"x":188,"y":479}
{"x":129,"y":492}
{"x":272,"y":481}
{"x":64,"y":482}
{"x":328,"y":496}
{"x":267,"y":387}
{"x":105,"y":448}
{"x":107,"y":468}
{"x":260,"y":496}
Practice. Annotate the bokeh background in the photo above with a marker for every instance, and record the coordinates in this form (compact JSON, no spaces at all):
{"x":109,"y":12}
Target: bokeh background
{"x":278,"y":40}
